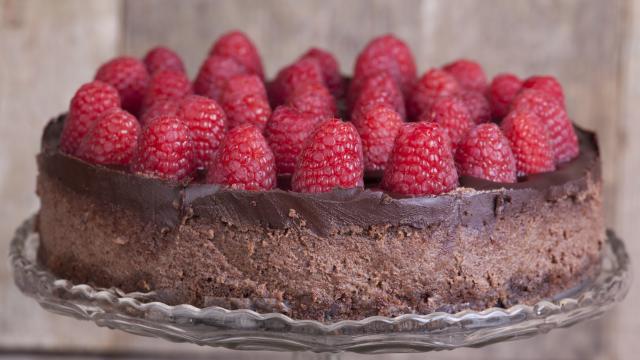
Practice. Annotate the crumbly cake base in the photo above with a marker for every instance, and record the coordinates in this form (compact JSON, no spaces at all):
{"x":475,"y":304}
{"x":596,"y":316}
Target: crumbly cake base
{"x":528,"y":252}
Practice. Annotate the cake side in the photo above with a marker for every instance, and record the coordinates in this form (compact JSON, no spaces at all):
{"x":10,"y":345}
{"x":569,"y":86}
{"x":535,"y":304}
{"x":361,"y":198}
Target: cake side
{"x":308,"y":257}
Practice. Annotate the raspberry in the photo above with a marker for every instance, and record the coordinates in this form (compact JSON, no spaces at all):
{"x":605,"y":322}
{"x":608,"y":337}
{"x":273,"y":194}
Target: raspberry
{"x":565,"y":142}
{"x":165,"y":150}
{"x":301,"y":72}
{"x":87,"y":105}
{"x":166,"y":84}
{"x":561,"y":133}
{"x":331,"y":158}
{"x":485,"y":153}
{"x":452,"y":115}
{"x":546,"y":84}
{"x":330,"y":69}
{"x":433,"y":84}
{"x":112,"y":140}
{"x":313,"y":98}
{"x":421,"y":162}
{"x":213,"y":75}
{"x":286,"y":133}
{"x":389,"y":54}
{"x":244,"y":161}
{"x":244,"y":100}
{"x":238,"y":46}
{"x":468,"y":73}
{"x":207,"y":124}
{"x":375,"y":89}
{"x":163,"y":58}
{"x":158,"y":108}
{"x":529,"y":142}
{"x":378,"y":127}
{"x":501,"y":92}
{"x":478,"y":106}
{"x":129,"y":76}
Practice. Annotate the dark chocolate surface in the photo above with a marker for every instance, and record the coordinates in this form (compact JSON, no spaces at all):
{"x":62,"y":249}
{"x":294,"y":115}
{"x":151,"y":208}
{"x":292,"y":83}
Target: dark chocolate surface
{"x":167,"y":204}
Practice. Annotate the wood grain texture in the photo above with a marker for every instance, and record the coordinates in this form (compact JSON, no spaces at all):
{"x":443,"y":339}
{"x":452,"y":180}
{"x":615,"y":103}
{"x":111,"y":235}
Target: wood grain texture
{"x":281,"y":29}
{"x":46,"y":51}
{"x":592,"y":46}
{"x":626,"y":332}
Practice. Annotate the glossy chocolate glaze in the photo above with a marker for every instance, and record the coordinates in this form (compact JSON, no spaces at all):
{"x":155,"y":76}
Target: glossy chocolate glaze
{"x":164,"y":203}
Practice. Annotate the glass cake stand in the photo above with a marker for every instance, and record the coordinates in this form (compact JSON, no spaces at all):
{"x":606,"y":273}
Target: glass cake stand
{"x":137,"y":313}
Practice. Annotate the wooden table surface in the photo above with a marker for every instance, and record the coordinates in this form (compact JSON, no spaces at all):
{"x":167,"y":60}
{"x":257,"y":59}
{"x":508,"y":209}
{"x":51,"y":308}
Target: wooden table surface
{"x":49,"y":48}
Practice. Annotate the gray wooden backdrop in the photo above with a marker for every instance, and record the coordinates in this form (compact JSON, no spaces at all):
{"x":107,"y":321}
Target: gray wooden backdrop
{"x":49,"y":48}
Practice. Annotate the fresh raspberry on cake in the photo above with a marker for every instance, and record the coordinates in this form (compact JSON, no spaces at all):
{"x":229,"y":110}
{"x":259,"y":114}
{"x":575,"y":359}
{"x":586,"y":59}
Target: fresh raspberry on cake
{"x":501,"y":92}
{"x":164,"y":85}
{"x":286,"y":133}
{"x":330,"y":69}
{"x":87,"y":105}
{"x":469,"y":74}
{"x":433,"y":84}
{"x":331,"y":158}
{"x":421,"y":162}
{"x":303,"y":71}
{"x":529,"y":141}
{"x":378,"y":126}
{"x":129,"y":76}
{"x":214,"y":73}
{"x":451,"y":113}
{"x":158,"y":108}
{"x":163,"y":58}
{"x":313,"y":98}
{"x":478,"y":106}
{"x":389,"y":54}
{"x":375,"y":89}
{"x":244,"y":100}
{"x":165,"y":150}
{"x":238,"y":46}
{"x":553,"y":115}
{"x":546,"y":84}
{"x":244,"y":161}
{"x":112,"y":140}
{"x":485,"y":153}
{"x":207,"y":124}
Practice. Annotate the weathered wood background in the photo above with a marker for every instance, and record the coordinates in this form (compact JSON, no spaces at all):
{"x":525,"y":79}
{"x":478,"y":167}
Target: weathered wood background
{"x":49,"y":48}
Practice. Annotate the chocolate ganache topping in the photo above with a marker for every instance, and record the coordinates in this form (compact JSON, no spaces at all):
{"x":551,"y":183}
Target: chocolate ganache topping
{"x":167,"y":204}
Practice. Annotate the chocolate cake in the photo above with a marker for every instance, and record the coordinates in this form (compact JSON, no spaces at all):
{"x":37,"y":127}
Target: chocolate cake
{"x":317,"y":196}
{"x":347,"y":254}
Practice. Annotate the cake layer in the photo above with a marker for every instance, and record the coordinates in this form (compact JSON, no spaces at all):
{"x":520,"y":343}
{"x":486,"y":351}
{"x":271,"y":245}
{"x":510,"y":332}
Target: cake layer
{"x":341,"y":255}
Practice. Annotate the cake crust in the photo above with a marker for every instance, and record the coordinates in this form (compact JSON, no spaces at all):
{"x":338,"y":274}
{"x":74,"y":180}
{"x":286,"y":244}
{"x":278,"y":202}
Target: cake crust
{"x":347,"y":254}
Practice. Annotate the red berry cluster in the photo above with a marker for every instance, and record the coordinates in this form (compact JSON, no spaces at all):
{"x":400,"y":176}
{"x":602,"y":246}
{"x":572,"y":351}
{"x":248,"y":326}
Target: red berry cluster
{"x":420,"y":134}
